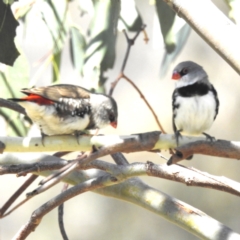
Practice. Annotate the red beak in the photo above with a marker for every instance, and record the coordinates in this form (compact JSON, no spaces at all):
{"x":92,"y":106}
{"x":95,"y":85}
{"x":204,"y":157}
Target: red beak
{"x":176,"y":76}
{"x":114,"y":124}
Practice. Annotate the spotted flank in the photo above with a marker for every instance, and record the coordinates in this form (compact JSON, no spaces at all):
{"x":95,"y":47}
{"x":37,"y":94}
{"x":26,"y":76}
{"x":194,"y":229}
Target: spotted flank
{"x":73,"y":107}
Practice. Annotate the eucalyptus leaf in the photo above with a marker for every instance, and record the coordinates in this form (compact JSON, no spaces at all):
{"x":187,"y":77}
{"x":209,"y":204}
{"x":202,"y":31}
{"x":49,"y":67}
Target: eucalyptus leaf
{"x":130,"y":18}
{"x":175,"y":32}
{"x":181,"y":37}
{"x":166,"y":17}
{"x":77,"y":48}
{"x":54,"y":14}
{"x":234,"y":12}
{"x":100,"y":53}
{"x":12,"y":80}
{"x":8,"y":25}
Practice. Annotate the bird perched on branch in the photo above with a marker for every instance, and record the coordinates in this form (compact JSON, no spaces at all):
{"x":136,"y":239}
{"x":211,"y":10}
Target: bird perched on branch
{"x":68,"y":109}
{"x":194,"y":101}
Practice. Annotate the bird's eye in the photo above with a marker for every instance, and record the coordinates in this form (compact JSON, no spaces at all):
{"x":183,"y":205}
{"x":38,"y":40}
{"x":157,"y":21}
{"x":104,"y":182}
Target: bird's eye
{"x":111,"y":117}
{"x":184,"y":71}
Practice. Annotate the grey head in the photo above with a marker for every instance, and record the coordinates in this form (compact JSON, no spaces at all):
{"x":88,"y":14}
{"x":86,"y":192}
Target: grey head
{"x":104,"y":110}
{"x":187,"y":73}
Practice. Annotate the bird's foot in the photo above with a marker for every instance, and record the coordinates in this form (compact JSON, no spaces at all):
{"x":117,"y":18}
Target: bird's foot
{"x":94,"y":149}
{"x":178,"y":135}
{"x":77,"y":134}
{"x":210,"y":138}
{"x":189,"y":158}
{"x":43,"y":135}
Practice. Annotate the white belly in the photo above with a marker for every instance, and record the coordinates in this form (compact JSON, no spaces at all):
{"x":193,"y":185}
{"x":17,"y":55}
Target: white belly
{"x":195,"y":114}
{"x":45,"y":117}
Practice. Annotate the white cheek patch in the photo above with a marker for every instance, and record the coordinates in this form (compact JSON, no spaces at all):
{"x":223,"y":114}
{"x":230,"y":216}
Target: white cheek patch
{"x":183,"y":82}
{"x":195,"y":114}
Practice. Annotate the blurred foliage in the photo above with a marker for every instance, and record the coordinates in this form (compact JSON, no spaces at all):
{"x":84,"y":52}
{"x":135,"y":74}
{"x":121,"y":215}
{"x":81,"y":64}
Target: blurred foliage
{"x":19,"y":75}
{"x":234,"y":12}
{"x":92,"y":47}
{"x":93,"y":50}
{"x":8,"y":25}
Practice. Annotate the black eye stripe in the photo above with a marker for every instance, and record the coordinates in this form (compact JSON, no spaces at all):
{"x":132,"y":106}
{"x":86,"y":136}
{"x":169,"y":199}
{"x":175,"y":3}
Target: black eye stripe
{"x":184,"y":71}
{"x":111,"y":117}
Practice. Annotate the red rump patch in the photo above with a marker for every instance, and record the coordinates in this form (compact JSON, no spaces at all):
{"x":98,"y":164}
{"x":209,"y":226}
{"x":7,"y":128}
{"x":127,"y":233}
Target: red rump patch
{"x":38,"y":99}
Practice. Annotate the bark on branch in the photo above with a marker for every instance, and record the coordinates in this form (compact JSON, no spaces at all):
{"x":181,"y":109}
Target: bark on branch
{"x":149,"y":141}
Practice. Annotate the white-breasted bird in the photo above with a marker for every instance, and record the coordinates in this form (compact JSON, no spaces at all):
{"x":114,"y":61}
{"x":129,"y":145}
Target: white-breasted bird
{"x":194,"y":101}
{"x":68,"y":109}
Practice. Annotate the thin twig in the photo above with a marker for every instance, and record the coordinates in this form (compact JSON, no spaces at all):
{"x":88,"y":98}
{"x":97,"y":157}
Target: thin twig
{"x":26,"y":184}
{"x":53,"y":181}
{"x":47,"y":165}
{"x":119,"y":158}
{"x":123,"y":76}
{"x":8,"y":86}
{"x":145,"y":100}
{"x":17,"y":206}
{"x":63,"y":169}
{"x":130,"y":42}
{"x":60,"y":216}
{"x":13,"y":198}
{"x":11,"y":123}
{"x":146,"y":39}
{"x":12,"y":105}
{"x":38,"y":214}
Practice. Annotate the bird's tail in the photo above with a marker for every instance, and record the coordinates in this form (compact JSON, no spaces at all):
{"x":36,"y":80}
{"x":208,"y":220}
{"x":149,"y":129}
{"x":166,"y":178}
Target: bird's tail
{"x":33,"y":98}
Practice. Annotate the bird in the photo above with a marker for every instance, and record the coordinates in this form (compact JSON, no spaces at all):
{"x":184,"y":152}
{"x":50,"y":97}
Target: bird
{"x":195,"y":101}
{"x":68,"y":109}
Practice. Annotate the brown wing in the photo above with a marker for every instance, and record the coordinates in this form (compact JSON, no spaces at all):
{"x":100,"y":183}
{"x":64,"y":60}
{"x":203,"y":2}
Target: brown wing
{"x":58,"y":91}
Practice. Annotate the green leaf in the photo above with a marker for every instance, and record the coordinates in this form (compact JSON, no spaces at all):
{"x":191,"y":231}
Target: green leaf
{"x":100,"y":53}
{"x":9,"y":1}
{"x":234,"y":12}
{"x":12,"y":79}
{"x":56,"y":62}
{"x":166,"y":17}
{"x":54,"y":14}
{"x":77,"y":48}
{"x":130,"y":18}
{"x":181,"y":37}
{"x":175,"y":32}
{"x":8,"y":25}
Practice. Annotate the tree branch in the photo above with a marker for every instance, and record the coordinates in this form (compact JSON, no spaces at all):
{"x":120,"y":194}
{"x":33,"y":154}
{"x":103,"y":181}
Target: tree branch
{"x":149,"y":141}
{"x":128,"y":143}
{"x":12,"y":105}
{"x":219,"y":148}
{"x":218,"y":31}
{"x":178,"y":173}
{"x":185,"y":216}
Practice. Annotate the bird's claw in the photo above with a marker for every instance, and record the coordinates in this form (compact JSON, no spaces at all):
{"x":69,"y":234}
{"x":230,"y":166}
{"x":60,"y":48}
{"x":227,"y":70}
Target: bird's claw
{"x":78,"y":134}
{"x":210,"y":138}
{"x":178,"y":135}
{"x":94,"y":149}
{"x":43,"y":137}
